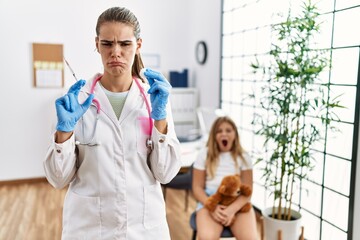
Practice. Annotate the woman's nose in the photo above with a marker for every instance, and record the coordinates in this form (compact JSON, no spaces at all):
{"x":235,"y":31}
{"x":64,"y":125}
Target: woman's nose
{"x":116,"y":50}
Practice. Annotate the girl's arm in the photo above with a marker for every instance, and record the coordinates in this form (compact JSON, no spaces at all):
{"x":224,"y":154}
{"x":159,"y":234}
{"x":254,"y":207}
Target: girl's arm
{"x":231,"y":210}
{"x":198,"y":188}
{"x":198,"y":185}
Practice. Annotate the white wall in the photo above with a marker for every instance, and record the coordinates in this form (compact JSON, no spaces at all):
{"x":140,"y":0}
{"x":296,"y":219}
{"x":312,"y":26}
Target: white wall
{"x":169,"y":28}
{"x":206,"y":26}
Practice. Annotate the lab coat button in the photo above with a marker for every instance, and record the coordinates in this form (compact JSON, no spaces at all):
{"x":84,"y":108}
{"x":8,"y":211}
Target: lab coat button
{"x":58,"y":150}
{"x":161,"y":140}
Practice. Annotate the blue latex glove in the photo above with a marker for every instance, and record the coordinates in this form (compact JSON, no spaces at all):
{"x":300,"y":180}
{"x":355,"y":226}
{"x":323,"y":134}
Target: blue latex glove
{"x":159,"y":93}
{"x":68,"y":109}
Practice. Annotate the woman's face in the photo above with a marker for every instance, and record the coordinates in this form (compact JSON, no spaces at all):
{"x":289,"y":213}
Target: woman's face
{"x":117,"y":46}
{"x":225,"y":137}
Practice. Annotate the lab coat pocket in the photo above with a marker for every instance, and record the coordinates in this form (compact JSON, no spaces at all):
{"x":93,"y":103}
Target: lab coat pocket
{"x":142,"y":134}
{"x":81,"y":216}
{"x":154,"y":209}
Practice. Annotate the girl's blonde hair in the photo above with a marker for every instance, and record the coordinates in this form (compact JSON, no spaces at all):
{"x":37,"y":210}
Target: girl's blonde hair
{"x":212,"y":158}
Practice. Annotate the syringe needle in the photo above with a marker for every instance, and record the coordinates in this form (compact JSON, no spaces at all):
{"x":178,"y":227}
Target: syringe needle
{"x":72,"y":71}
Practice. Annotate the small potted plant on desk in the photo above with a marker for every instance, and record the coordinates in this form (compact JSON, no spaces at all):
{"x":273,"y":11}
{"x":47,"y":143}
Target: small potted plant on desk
{"x":294,"y":98}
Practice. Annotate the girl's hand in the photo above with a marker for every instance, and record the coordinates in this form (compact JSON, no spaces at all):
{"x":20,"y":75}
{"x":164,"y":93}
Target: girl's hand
{"x":218,"y":214}
{"x":228,"y":215}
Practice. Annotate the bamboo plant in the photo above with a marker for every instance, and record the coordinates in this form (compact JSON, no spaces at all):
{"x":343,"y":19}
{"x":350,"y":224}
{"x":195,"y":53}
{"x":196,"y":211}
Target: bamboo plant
{"x":294,"y":98}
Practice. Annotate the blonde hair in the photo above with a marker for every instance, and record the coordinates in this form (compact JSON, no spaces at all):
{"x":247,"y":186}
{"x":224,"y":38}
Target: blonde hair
{"x":212,"y":157}
{"x":123,"y":15}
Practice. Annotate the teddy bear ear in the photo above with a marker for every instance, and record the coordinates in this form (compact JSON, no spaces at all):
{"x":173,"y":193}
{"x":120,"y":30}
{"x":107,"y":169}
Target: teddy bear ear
{"x":222,"y":189}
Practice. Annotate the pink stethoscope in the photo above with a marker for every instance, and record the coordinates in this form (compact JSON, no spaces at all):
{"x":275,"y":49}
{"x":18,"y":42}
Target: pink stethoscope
{"x":148,"y":130}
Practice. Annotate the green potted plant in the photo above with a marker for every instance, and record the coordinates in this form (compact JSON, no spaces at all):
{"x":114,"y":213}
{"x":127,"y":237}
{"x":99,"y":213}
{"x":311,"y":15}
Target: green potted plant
{"x":294,"y":98}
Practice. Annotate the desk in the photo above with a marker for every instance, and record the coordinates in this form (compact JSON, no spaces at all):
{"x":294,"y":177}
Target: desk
{"x":189,"y":152}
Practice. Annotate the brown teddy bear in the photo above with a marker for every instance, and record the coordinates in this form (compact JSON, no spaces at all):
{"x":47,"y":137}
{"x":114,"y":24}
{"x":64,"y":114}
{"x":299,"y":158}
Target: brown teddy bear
{"x":229,"y":189}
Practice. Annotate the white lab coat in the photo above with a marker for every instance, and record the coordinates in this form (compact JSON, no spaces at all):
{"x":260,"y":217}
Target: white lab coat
{"x":113,"y":194}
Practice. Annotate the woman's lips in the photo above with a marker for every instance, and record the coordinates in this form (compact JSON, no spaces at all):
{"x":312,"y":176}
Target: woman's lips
{"x":116,"y":64}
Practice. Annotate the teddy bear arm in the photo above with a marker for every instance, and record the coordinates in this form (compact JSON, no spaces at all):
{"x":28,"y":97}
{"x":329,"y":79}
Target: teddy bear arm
{"x":245,"y":190}
{"x":226,"y":201}
{"x":246,"y":207}
{"x":212,"y":202}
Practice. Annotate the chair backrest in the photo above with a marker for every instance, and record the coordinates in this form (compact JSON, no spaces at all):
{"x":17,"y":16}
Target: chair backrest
{"x":206,"y":117}
{"x":182,"y":180}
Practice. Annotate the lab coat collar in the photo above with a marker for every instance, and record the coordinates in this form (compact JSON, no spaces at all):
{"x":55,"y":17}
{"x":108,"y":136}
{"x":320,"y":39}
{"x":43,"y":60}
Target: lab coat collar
{"x":133,"y":101}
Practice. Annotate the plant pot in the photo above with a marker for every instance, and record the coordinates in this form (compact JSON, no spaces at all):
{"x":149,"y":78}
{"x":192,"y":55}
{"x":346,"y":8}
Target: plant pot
{"x":290,"y":230}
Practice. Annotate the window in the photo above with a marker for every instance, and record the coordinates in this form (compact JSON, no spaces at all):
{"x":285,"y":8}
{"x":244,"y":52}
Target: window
{"x":325,"y":201}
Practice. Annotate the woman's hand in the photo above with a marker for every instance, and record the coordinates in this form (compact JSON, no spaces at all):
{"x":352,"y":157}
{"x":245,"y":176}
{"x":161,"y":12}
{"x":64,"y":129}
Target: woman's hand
{"x":159,"y":93}
{"x":68,"y":108}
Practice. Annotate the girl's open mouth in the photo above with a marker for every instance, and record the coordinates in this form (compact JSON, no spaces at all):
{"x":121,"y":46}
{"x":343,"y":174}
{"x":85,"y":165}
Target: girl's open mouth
{"x":224,"y":142}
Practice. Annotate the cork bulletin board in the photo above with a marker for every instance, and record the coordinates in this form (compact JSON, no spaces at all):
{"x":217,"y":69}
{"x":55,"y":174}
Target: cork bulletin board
{"x":48,"y":65}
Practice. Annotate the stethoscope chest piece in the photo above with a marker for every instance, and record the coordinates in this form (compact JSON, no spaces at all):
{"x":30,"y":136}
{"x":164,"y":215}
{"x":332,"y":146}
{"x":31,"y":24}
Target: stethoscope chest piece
{"x":149,"y":144}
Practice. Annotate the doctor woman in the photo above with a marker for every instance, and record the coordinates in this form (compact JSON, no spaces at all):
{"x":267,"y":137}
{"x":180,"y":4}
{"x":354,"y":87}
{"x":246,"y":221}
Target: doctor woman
{"x":112,"y":155}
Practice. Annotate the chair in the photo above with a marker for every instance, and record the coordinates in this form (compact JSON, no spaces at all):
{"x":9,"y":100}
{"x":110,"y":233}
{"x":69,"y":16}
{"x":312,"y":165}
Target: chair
{"x":182,"y":181}
{"x":226,"y":233}
{"x":206,"y":118}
